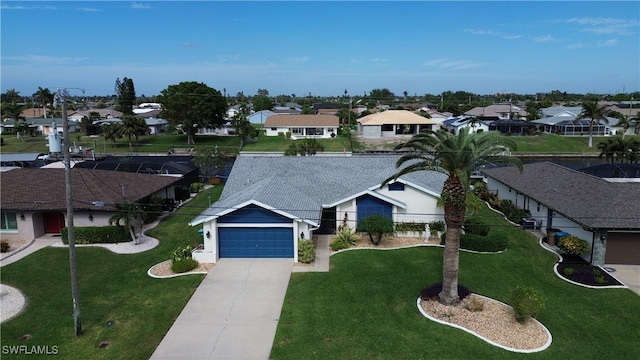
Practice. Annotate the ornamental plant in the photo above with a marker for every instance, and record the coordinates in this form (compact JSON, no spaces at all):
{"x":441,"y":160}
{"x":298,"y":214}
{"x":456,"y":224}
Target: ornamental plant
{"x":306,"y":251}
{"x":181,"y":253}
{"x":526,"y":302}
{"x":573,"y":245}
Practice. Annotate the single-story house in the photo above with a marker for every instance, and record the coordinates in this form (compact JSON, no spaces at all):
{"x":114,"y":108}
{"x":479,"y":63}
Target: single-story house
{"x":457,"y":123}
{"x":567,"y":125}
{"x":156,"y":126}
{"x":603,"y":213}
{"x":269,"y":202}
{"x":302,"y":126}
{"x":393,"y":123}
{"x":41,"y":126}
{"x":34,"y":200}
{"x":501,"y":111}
{"x":105,"y":113}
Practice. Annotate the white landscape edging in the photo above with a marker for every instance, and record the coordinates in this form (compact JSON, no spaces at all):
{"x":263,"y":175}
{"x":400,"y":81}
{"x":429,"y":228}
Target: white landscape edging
{"x":527,"y":351}
{"x":174,"y":275}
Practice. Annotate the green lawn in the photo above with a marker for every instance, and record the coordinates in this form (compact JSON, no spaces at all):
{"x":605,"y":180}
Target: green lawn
{"x":112,"y":288}
{"x":365,"y":307}
{"x":545,"y":143}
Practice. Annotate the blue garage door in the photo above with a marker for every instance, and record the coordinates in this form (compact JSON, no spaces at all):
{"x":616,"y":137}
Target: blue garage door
{"x":255,"y":242}
{"x":369,"y":205}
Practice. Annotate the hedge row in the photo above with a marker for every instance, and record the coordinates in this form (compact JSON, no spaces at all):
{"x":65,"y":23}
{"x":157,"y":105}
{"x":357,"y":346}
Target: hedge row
{"x":490,"y":243}
{"x":97,"y":235}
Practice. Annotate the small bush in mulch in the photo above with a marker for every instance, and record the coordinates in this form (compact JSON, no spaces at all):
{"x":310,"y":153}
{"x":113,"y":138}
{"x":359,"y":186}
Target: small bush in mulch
{"x":431,"y":292}
{"x":574,"y":268}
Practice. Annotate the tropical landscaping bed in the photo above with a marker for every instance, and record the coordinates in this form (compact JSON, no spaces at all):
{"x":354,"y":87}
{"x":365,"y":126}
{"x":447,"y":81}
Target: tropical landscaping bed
{"x":576,"y":269}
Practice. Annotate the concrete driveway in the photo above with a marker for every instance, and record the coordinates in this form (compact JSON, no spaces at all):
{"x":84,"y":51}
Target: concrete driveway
{"x":232,"y":315}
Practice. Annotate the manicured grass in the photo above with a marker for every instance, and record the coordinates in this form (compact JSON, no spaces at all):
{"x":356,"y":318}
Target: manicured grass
{"x":280,"y":144}
{"x":365,"y":307}
{"x":550,"y":143}
{"x":112,"y":288}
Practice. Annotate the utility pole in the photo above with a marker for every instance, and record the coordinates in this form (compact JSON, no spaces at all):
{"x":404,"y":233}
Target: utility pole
{"x":61,"y":95}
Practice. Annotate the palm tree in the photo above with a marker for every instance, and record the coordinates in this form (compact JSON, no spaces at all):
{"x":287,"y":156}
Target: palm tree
{"x":473,"y":122}
{"x":456,"y":156}
{"x":111,"y":131}
{"x":594,"y":113}
{"x":44,"y":98}
{"x":132,"y":216}
{"x":132,"y":127}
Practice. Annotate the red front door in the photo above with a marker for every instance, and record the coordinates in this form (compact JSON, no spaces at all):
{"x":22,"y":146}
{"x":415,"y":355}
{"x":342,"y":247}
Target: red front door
{"x":54,"y":222}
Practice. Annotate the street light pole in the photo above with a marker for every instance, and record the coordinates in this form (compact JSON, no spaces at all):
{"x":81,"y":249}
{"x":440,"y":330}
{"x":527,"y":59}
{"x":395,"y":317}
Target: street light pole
{"x":75,"y":293}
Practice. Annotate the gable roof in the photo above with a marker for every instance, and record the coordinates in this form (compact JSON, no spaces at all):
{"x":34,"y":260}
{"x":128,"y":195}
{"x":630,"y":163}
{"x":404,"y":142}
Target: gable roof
{"x":586,"y":199}
{"x":303,"y":185}
{"x":44,"y":189}
{"x":395,"y":117}
{"x":301,"y":120}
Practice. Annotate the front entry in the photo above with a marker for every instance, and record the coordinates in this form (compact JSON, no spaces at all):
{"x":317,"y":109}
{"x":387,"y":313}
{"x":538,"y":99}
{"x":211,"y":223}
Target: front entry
{"x":54,"y":222}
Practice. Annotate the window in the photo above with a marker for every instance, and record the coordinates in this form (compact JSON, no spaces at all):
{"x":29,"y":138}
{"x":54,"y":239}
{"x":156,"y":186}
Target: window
{"x":396,"y":186}
{"x":297,"y":131}
{"x":315,"y":131}
{"x":8,"y":221}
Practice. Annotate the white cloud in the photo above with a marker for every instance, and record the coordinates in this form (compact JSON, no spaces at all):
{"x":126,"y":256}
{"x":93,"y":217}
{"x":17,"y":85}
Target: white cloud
{"x":574,"y":46}
{"x":607,"y":43}
{"x":544,"y":38}
{"x":493,"y":33}
{"x":605,"y":26}
{"x":298,"y":60}
{"x":88,"y":9}
{"x":140,"y":6}
{"x":45,"y":60}
{"x":451,"y":64}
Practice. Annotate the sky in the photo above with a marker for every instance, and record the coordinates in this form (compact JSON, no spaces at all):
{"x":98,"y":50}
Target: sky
{"x":322,"y":48}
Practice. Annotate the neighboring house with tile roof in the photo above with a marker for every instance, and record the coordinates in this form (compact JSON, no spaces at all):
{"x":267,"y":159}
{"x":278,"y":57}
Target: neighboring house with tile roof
{"x":499,"y":111}
{"x":269,"y":202}
{"x":34,"y":200}
{"x":391,"y":123}
{"x":604,"y":213}
{"x":302,"y":126}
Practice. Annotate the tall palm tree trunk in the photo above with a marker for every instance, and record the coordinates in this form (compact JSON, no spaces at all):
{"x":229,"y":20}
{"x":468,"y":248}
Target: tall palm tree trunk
{"x":454,"y":210}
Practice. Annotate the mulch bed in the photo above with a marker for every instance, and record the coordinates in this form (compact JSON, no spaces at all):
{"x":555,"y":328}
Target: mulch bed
{"x":576,"y":269}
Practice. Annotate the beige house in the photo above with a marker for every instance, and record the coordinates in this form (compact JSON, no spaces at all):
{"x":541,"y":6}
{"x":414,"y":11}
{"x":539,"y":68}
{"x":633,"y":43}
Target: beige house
{"x":394,"y":123}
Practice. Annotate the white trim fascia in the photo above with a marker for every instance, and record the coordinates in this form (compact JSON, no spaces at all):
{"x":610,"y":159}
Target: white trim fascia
{"x":392,"y":201}
{"x":250,"y":202}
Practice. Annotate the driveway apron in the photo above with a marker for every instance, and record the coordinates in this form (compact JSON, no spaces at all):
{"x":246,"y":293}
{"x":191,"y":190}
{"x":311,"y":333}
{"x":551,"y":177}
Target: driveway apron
{"x":233,"y":314}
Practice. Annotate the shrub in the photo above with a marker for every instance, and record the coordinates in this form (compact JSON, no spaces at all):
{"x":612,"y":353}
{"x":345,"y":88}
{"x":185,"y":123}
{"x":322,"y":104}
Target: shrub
{"x":436,"y":225}
{"x":96,"y":235}
{"x":338,"y":244}
{"x":196,"y":187}
{"x":476,"y":226}
{"x":181,"y":253}
{"x":573,"y":245}
{"x":526,"y":302}
{"x":489,"y":243}
{"x":306,"y":251}
{"x":184,"y":265}
{"x":473,"y":304}
{"x":404,"y":227}
{"x":512,"y":212}
{"x":4,"y":246}
{"x":568,"y":271}
{"x":376,"y":226}
{"x":432,"y":292}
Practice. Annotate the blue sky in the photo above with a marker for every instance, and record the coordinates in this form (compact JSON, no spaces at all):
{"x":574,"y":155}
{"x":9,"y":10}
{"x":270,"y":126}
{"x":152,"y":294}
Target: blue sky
{"x":322,"y":48}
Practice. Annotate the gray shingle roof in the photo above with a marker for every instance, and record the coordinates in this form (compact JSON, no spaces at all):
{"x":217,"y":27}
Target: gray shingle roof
{"x":300,"y":186}
{"x":586,"y":199}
